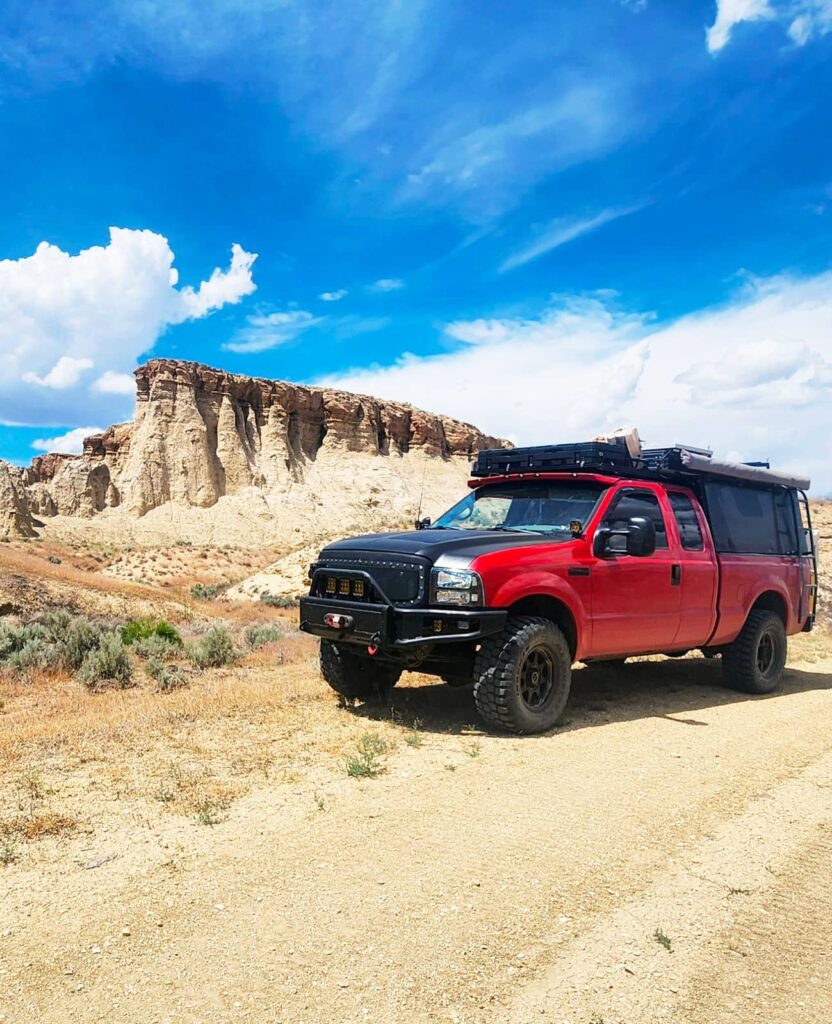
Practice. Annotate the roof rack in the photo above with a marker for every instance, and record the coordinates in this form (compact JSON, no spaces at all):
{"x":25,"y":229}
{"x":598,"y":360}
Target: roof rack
{"x":681,"y":463}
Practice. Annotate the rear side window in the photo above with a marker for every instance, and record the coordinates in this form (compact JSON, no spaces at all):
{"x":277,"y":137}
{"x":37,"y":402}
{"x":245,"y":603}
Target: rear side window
{"x":752,"y":520}
{"x":637,"y":502}
{"x":689,"y":531}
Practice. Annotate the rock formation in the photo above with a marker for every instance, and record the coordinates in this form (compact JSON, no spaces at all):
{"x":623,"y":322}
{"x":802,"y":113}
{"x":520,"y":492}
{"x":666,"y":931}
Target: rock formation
{"x":15,"y":517}
{"x":200,"y":434}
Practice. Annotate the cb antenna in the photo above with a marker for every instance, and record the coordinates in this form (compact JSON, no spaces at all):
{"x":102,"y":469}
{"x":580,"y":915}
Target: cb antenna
{"x":422,"y":490}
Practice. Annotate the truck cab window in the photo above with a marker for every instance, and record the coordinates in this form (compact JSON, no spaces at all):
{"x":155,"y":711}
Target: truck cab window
{"x":636,"y":501}
{"x":689,"y":530}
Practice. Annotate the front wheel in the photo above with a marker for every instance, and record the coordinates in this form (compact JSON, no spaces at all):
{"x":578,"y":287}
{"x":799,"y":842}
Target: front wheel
{"x":356,"y":677}
{"x":754,"y":662}
{"x":522,"y":676}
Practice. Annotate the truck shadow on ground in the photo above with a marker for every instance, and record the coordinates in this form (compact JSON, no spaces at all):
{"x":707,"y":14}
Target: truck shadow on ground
{"x":674,"y":689}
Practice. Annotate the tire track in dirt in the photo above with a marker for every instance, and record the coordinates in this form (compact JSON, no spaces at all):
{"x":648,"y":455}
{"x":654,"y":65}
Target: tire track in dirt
{"x":456,"y":887}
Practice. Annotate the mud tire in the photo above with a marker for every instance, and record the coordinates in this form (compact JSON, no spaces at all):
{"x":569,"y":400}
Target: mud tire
{"x":754,"y":662}
{"x":356,"y":677}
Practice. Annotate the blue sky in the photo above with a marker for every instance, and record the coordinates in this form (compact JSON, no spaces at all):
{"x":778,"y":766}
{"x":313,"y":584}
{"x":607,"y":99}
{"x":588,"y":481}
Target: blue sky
{"x":512,"y":213}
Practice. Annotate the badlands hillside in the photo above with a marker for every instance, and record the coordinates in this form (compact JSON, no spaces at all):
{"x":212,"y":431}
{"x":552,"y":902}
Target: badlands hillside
{"x":214,"y":458}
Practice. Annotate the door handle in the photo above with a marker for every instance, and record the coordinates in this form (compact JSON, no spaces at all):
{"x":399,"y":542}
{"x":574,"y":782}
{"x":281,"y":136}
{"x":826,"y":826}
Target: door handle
{"x":675,"y":575}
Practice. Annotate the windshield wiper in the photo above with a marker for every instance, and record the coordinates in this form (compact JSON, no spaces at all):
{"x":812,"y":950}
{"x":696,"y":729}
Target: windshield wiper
{"x":514,"y":529}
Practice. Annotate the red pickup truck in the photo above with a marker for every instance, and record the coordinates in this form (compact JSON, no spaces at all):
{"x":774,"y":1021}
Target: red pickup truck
{"x":572,"y":553}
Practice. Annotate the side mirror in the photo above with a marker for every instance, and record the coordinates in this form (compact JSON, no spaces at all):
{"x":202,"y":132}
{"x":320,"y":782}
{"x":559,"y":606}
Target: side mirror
{"x":637,"y":538}
{"x":641,"y":537}
{"x":423,"y":524}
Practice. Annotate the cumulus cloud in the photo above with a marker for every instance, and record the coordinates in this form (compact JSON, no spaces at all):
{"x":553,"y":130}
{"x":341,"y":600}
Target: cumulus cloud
{"x":387,"y":284}
{"x":335,"y":296}
{"x":803,"y":19}
{"x":64,"y":374}
{"x":752,"y":376}
{"x":70,"y":324}
{"x":70,"y":443}
{"x":266,"y":331}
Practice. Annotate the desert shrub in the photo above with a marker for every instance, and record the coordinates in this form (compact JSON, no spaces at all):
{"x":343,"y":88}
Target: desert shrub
{"x":54,"y":560}
{"x":109,"y":663}
{"x":208,"y":591}
{"x":278,"y":600}
{"x":143,"y":629}
{"x":9,"y":641}
{"x":155,"y":646}
{"x":214,"y":649}
{"x":79,"y":638}
{"x":35,"y":652}
{"x":257,"y":636}
{"x":166,"y":677}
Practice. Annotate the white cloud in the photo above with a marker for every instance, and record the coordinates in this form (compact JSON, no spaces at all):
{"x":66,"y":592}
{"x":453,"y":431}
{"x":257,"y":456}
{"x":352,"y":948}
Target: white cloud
{"x":66,"y":320}
{"x":70,"y":443}
{"x":110,"y":383}
{"x":561,"y":231}
{"x":752,"y":376}
{"x":64,"y":374}
{"x":387,"y":284}
{"x":266,"y":331}
{"x":222,"y":287}
{"x":335,"y":296}
{"x":804,"y":19}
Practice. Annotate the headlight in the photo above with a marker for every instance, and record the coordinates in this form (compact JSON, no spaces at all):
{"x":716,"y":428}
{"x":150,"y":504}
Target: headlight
{"x":456,"y":587}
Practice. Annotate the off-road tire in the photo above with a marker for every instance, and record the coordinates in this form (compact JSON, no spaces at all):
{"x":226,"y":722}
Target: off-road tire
{"x":504,"y":675}
{"x":356,"y":677}
{"x":754,"y":662}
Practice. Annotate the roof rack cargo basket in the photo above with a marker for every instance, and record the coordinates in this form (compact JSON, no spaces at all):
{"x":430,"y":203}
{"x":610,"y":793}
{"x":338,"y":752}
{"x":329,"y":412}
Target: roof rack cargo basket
{"x":589,"y":456}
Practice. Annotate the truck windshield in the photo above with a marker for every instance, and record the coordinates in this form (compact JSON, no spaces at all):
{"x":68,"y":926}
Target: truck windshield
{"x":544,"y":506}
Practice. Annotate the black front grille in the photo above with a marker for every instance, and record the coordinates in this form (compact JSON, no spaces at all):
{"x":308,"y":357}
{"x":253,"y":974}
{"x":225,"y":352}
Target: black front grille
{"x":371,"y":580}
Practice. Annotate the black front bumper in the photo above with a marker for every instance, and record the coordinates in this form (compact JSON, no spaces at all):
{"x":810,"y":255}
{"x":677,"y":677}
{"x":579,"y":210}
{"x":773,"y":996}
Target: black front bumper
{"x":386,"y":625}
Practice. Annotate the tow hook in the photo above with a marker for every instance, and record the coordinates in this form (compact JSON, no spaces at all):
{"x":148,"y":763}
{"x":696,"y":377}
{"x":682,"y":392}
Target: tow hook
{"x":372,"y":649}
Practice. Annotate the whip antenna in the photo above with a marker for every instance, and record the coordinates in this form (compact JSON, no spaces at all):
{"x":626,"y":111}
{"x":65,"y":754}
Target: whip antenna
{"x":422,"y":490}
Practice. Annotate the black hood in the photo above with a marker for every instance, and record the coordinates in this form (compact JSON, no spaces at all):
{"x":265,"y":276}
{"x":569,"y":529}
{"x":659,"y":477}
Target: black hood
{"x":432,"y":544}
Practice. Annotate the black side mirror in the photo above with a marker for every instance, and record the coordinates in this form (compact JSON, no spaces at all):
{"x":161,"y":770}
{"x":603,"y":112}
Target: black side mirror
{"x":639,"y":539}
{"x":423,"y":524}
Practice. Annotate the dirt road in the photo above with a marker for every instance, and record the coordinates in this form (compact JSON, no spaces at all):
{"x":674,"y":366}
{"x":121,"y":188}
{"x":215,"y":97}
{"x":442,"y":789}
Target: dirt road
{"x":666,"y":855}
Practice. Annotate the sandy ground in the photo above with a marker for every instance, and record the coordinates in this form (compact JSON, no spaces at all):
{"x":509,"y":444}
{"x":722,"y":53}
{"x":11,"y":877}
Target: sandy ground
{"x":664,"y":855}
{"x":479,"y":878}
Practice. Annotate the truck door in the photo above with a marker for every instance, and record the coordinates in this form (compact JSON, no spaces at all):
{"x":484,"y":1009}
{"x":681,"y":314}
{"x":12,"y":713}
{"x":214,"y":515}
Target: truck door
{"x":697,"y":562}
{"x":636,"y":601}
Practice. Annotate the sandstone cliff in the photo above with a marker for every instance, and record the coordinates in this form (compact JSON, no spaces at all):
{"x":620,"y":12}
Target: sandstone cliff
{"x":202,"y":434}
{"x":15,"y":517}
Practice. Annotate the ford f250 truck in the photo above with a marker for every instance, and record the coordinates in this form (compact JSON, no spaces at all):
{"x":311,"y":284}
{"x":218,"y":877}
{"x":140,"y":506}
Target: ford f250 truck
{"x":570,"y":553}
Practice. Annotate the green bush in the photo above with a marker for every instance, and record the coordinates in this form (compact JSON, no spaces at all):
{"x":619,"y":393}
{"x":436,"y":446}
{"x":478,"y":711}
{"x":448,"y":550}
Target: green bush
{"x":278,"y":600}
{"x":166,"y":677}
{"x":142,"y":629}
{"x":214,"y":649}
{"x":257,"y":636}
{"x":109,"y":663}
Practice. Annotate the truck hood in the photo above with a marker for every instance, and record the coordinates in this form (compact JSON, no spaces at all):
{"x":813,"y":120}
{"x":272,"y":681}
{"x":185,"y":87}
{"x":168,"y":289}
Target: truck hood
{"x":453,"y":547}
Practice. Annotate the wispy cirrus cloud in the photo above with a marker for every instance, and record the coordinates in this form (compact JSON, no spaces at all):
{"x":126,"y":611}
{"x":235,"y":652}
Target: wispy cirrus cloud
{"x":387,"y":284}
{"x":560,"y":232}
{"x":265,"y":331}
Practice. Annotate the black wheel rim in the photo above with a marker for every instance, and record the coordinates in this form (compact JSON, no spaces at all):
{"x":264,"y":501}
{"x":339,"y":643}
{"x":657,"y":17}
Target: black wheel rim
{"x":766,"y":654}
{"x":537,"y":678}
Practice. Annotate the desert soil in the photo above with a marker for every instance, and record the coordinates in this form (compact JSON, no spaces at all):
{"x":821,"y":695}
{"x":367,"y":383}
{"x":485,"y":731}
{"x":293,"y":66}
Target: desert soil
{"x":664,"y":855}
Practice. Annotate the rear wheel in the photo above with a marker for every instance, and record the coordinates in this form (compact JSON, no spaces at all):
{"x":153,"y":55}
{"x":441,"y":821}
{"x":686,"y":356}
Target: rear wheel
{"x":354,"y":676}
{"x":522,"y":676}
{"x":754,"y":662}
